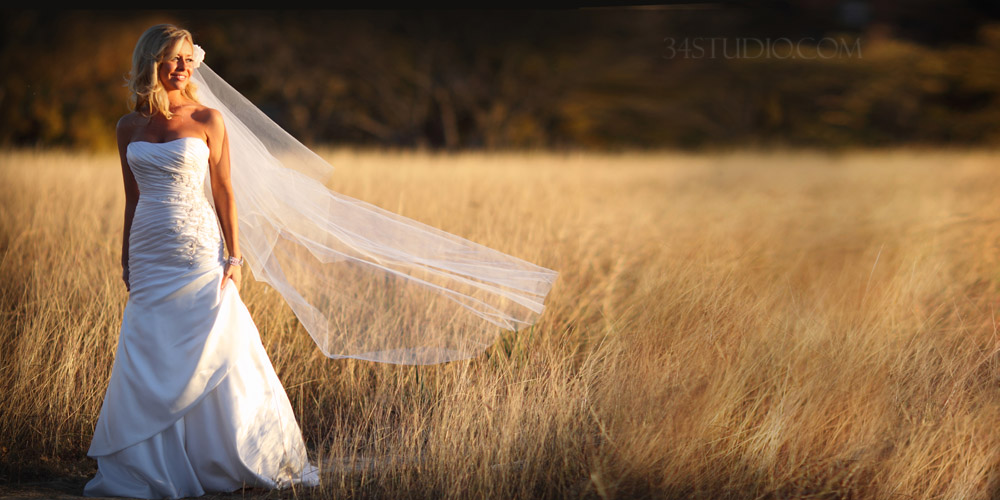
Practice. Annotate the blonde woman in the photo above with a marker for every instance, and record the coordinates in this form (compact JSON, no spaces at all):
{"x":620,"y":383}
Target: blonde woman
{"x":193,"y":404}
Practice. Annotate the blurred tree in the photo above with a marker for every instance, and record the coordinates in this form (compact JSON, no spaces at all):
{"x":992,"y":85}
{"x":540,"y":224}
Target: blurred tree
{"x":598,"y":78}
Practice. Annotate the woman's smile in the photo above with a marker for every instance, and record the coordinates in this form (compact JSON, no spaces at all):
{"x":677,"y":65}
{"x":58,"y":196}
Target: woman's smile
{"x":176,"y":70}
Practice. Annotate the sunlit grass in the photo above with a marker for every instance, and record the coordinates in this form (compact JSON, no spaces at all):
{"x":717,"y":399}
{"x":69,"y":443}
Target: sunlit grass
{"x":739,"y":325}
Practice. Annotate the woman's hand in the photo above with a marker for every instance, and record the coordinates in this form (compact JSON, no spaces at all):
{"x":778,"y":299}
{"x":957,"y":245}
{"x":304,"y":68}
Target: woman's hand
{"x":232,"y":273}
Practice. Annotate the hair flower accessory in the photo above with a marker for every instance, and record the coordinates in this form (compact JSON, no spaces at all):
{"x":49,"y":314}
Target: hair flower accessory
{"x":199,"y":56}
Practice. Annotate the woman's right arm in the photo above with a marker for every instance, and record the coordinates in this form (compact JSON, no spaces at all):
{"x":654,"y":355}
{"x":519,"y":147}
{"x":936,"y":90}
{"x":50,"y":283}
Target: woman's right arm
{"x":124,"y":132}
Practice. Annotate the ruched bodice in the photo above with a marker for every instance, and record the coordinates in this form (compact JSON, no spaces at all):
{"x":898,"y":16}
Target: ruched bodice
{"x":174,"y":224}
{"x":169,"y":171}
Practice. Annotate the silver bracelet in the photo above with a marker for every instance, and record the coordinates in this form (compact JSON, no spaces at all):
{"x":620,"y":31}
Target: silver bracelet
{"x":233,"y":261}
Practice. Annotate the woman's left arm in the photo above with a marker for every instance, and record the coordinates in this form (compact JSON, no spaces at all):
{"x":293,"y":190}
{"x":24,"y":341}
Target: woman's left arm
{"x":222,"y":192}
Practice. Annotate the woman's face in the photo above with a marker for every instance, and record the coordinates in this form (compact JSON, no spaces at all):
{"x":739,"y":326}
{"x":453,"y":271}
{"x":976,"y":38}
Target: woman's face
{"x":175,"y":71}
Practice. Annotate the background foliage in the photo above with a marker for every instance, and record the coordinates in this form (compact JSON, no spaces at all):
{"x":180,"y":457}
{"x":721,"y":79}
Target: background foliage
{"x":925,"y":73}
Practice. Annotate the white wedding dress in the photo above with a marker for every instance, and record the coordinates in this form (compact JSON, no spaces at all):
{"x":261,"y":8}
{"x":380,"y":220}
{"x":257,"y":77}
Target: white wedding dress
{"x":193,"y":404}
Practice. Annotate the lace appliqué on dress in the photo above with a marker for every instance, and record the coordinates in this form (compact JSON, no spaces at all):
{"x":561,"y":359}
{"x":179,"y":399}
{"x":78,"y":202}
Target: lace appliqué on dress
{"x":194,"y":227}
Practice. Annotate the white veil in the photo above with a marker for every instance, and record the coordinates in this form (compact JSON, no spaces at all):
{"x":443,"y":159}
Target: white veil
{"x":365,"y":283}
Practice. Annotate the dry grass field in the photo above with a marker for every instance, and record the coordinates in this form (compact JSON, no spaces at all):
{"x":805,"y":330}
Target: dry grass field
{"x":724,"y":326}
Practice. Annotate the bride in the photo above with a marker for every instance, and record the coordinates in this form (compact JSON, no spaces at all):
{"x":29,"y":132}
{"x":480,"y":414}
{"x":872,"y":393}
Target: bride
{"x":193,"y":404}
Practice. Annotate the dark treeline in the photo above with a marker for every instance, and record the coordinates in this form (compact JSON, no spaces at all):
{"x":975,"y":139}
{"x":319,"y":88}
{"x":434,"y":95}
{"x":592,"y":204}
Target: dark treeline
{"x":837,"y":73}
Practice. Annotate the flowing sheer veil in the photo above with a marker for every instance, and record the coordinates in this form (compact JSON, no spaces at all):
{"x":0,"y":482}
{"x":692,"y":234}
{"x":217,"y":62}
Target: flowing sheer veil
{"x":365,"y":283}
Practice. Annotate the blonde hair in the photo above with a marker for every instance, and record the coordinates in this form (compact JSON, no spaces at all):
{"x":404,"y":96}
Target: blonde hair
{"x":156,"y":45}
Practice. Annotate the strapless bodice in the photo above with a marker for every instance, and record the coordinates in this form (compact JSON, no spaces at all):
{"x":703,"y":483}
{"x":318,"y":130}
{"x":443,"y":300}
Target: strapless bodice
{"x":169,"y":171}
{"x":175,"y":225}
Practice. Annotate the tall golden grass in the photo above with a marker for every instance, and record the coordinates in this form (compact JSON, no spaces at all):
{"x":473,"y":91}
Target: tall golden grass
{"x":731,"y":325}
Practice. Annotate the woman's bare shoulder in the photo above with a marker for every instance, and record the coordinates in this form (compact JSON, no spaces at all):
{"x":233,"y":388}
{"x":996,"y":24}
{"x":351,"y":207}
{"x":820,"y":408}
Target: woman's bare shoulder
{"x":206,"y":115}
{"x":211,"y":118}
{"x":128,"y":124}
{"x":131,"y":120}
